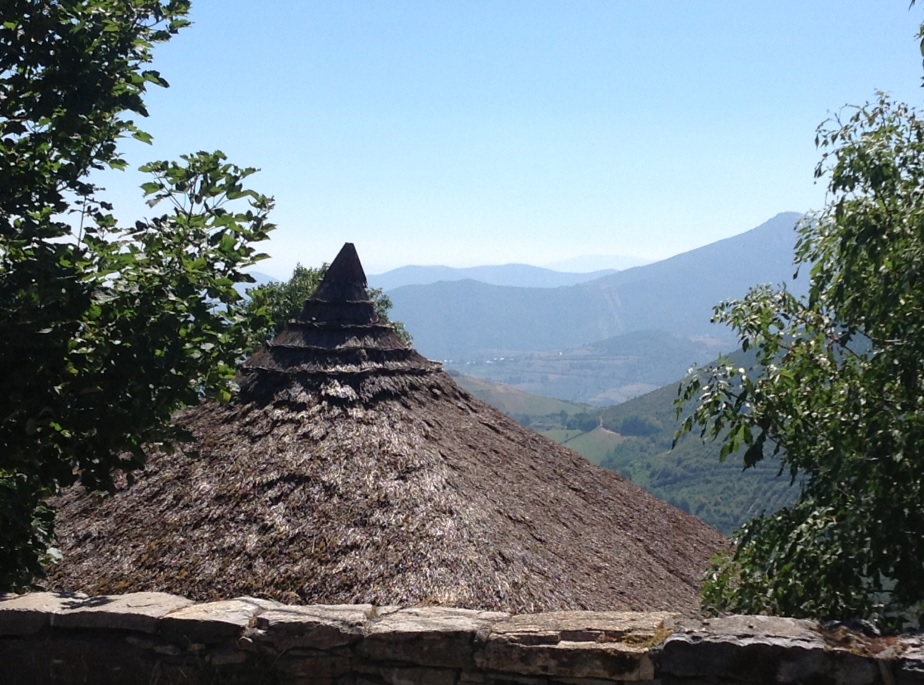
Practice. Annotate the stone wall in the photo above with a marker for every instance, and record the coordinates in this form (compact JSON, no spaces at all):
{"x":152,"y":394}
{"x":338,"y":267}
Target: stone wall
{"x":159,"y":638}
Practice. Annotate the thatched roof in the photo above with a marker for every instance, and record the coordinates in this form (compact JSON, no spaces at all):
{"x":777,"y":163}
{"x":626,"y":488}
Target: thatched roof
{"x":351,"y":469}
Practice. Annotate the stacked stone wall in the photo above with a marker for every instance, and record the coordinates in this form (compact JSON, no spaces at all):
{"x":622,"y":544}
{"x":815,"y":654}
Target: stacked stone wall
{"x":159,"y":638}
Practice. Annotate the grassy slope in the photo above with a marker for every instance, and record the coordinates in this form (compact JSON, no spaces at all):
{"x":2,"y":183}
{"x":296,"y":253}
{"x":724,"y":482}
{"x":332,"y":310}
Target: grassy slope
{"x":596,"y":445}
{"x":561,"y":435}
{"x":515,"y":402}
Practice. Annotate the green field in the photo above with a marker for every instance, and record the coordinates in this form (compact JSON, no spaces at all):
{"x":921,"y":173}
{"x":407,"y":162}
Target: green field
{"x":538,"y":412}
{"x":596,"y":445}
{"x":561,"y":435}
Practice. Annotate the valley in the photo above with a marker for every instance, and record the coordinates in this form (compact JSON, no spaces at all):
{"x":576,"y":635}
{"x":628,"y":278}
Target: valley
{"x":605,"y":340}
{"x":601,"y":373}
{"x":634,"y":439}
{"x":595,"y":365}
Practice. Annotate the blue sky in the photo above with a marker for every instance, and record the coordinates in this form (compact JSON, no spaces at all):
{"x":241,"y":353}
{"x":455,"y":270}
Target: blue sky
{"x":487,"y":132}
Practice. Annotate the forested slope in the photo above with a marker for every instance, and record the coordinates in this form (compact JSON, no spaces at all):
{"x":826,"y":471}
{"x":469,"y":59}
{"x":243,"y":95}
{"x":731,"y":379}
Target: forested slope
{"x":690,"y":476}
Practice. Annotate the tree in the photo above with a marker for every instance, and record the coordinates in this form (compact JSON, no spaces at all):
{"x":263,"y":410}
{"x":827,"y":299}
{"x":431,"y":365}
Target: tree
{"x":272,"y":305}
{"x":583,"y":421}
{"x":104,"y":331}
{"x":837,"y":391}
{"x":639,"y":426}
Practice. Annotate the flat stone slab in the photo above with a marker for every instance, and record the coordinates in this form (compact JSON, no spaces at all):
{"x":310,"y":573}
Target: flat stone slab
{"x":758,"y":626}
{"x":605,"y":645}
{"x":213,"y":621}
{"x":139,"y":611}
{"x":27,"y":614}
{"x":428,"y":636}
{"x":584,"y":626}
{"x":759,"y":649}
{"x":436,"y":619}
{"x":319,"y":626}
{"x":910,"y":665}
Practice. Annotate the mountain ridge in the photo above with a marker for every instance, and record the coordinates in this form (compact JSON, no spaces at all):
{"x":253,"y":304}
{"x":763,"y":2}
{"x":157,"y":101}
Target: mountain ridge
{"x":466,"y":320}
{"x":512,"y":275}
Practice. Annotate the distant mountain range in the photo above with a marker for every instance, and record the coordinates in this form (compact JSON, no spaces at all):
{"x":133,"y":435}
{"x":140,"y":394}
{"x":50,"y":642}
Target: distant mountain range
{"x":514,"y":334}
{"x":597,"y":262}
{"x":598,"y":338}
{"x":469,"y":320}
{"x":514,"y":275}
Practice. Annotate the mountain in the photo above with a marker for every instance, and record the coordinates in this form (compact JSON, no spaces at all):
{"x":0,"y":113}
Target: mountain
{"x":515,"y":275}
{"x":597,"y":262}
{"x":259,"y":278}
{"x":472,"y":321}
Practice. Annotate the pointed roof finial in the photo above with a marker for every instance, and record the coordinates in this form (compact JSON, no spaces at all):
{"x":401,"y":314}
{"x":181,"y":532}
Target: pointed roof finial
{"x":338,"y":349}
{"x":344,"y":279}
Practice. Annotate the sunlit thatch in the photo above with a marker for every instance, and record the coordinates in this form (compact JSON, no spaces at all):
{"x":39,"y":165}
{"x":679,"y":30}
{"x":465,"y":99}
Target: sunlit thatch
{"x":351,"y":469}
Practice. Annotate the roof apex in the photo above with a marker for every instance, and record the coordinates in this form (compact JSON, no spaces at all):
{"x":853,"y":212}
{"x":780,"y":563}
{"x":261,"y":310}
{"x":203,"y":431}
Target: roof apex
{"x":338,"y":348}
{"x":345,"y":279}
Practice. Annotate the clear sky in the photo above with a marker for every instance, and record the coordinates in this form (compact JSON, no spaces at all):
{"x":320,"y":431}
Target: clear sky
{"x":484,"y":132}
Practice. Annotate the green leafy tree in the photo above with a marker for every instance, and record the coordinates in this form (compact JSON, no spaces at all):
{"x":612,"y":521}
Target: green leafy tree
{"x":104,"y":331}
{"x":837,"y":391}
{"x":583,"y":421}
{"x":639,"y":426}
{"x":271,"y":305}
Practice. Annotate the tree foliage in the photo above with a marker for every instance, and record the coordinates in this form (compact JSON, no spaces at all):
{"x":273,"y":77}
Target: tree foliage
{"x":104,"y":331}
{"x":271,"y":305}
{"x":837,"y":390}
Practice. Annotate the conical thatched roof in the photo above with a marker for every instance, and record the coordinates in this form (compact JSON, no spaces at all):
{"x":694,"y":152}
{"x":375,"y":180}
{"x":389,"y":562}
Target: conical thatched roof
{"x":351,"y":469}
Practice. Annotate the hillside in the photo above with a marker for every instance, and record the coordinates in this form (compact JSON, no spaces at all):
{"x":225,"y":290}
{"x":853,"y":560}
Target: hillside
{"x":472,"y":321}
{"x":634,"y":439}
{"x":538,"y":412}
{"x":514,"y":275}
{"x":689,"y":476}
{"x":594,"y":444}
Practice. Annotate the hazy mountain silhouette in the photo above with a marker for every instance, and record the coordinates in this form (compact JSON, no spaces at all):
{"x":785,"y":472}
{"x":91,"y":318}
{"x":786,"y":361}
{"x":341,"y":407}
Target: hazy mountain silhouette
{"x":515,"y":275}
{"x":471,"y":320}
{"x":597,"y":262}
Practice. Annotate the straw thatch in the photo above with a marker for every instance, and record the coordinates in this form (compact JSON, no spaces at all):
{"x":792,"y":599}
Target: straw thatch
{"x":351,"y":469}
